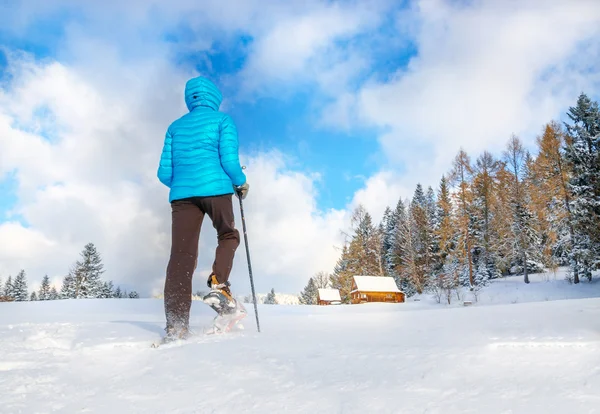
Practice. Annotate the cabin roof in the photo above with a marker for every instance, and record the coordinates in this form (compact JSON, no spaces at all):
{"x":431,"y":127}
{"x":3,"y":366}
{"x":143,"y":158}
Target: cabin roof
{"x":375,"y":284}
{"x":329,"y":294}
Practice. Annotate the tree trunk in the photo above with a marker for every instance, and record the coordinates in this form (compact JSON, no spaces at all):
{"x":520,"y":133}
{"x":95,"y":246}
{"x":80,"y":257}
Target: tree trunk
{"x":525,"y":270}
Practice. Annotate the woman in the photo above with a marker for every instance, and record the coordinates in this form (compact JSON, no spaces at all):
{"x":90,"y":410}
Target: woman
{"x":200,"y":165}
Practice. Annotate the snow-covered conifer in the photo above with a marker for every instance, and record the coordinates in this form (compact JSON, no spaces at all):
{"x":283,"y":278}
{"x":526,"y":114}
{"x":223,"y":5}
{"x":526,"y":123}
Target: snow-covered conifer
{"x":309,"y":295}
{"x":19,"y":288}
{"x":582,"y":152}
{"x":271,"y":298}
{"x":44,"y":291}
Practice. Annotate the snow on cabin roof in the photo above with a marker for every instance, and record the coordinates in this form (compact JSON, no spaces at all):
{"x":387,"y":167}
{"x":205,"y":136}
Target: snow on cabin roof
{"x":375,"y":284}
{"x":329,"y":294}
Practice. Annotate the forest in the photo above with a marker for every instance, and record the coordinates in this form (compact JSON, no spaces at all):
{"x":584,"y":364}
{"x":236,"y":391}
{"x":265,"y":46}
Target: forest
{"x":490,"y":216}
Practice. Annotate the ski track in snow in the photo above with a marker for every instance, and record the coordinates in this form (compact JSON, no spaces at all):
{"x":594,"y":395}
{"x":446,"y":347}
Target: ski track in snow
{"x":94,"y":356}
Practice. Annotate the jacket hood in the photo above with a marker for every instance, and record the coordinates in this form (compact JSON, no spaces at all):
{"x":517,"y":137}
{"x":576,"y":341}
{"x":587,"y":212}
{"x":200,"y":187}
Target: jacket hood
{"x":200,"y":91}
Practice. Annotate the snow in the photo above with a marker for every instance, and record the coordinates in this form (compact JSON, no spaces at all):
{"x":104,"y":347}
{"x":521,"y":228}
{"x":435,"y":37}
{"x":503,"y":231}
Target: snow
{"x":376,"y":284}
{"x":520,"y":349}
{"x":329,"y":294}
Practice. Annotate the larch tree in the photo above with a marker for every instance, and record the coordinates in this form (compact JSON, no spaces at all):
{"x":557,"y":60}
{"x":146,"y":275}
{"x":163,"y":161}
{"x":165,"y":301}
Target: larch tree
{"x":461,"y":177}
{"x":321,"y":280}
{"x":552,"y":194}
{"x":484,"y":196}
{"x":501,"y":236}
{"x":524,"y":234}
{"x":342,"y":276}
{"x":365,"y":246}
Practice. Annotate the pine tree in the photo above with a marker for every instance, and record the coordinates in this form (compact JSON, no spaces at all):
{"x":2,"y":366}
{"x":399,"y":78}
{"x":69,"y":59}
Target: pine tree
{"x":107,"y":290}
{"x":582,"y":153}
{"x":44,"y":292}
{"x":19,"y":287}
{"x":117,"y":293}
{"x":446,"y":234}
{"x":33,"y":296}
{"x":53,"y":294}
{"x":8,"y":288}
{"x":403,"y":255}
{"x":309,"y":296}
{"x":394,"y":238}
{"x":133,"y":295}
{"x":388,"y":226}
{"x":68,"y":288}
{"x":87,"y":273}
{"x":1,"y":287}
{"x":271,"y":298}
{"x":433,"y":224}
{"x":20,"y":291}
{"x":422,"y":239}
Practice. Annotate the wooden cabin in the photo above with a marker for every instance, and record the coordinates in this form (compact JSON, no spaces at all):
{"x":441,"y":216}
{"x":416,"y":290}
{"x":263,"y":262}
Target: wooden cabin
{"x":375,"y":289}
{"x":329,"y":297}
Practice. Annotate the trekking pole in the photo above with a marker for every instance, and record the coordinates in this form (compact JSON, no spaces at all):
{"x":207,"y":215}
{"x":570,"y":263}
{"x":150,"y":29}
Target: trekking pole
{"x":248,"y":258}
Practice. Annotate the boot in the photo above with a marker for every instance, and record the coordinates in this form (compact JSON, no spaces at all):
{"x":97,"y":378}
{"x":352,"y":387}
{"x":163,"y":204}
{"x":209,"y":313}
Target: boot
{"x":175,"y":333}
{"x":220,"y":297}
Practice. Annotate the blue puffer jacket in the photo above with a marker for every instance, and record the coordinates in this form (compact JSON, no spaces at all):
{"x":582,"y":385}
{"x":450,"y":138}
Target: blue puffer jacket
{"x":200,"y":152}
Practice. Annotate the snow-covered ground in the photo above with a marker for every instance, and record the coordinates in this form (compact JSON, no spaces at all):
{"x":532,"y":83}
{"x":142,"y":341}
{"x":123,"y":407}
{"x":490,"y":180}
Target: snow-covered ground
{"x":536,"y":350}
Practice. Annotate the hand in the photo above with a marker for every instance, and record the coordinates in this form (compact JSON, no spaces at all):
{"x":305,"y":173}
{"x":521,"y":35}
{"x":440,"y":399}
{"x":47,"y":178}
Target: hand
{"x":242,"y":190}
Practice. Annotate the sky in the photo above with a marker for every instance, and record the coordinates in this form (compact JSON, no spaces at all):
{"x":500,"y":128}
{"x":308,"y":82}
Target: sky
{"x":337,"y":104}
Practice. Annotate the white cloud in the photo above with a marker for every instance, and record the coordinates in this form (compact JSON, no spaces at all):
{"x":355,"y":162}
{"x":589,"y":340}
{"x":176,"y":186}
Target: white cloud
{"x":380,"y":191}
{"x":304,"y":47}
{"x":95,"y":181}
{"x":482,"y":72}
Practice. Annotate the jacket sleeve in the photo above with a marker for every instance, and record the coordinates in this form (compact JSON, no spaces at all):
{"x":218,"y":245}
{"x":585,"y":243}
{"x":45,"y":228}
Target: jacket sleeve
{"x":228,"y":151}
{"x":165,"y":167}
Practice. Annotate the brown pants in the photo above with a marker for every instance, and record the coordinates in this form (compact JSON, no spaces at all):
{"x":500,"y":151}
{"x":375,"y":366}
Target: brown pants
{"x":187,"y":216}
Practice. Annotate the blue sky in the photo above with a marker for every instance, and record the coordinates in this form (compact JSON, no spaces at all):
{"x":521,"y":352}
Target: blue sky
{"x":337,"y":104}
{"x":286,"y":122}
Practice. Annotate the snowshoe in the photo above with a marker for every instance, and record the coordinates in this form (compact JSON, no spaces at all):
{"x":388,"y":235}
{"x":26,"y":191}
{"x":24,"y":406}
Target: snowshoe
{"x":229,"y":310}
{"x":220,"y":298}
{"x":225,"y":322}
